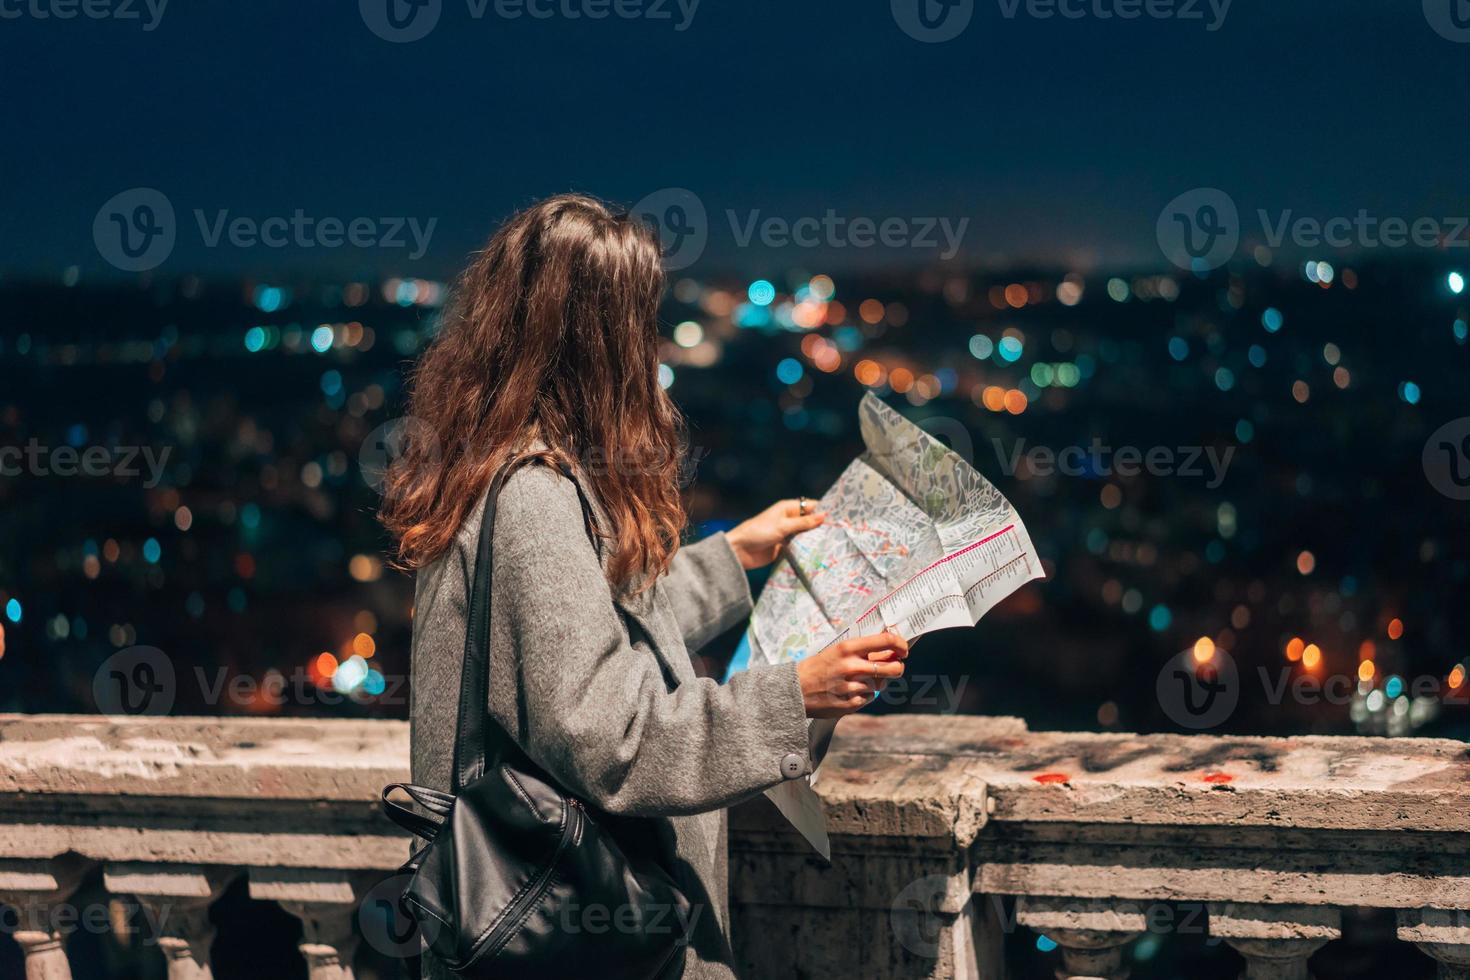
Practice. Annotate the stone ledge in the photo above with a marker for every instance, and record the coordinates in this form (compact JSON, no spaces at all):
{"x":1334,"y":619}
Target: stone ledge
{"x":936,"y":777}
{"x":216,"y":758}
{"x":1310,"y":782}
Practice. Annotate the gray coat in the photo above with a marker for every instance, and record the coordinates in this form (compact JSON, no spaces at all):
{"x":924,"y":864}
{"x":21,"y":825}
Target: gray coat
{"x":600,"y":691}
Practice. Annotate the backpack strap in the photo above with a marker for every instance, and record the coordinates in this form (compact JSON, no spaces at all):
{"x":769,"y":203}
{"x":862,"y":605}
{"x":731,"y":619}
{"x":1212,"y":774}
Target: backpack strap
{"x":475,"y":726}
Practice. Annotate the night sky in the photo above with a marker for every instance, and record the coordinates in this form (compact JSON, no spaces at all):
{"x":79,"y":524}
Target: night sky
{"x":1059,"y":139}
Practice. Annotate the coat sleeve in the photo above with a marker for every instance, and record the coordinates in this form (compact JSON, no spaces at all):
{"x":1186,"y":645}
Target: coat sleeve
{"x":708,"y":590}
{"x":596,"y":712}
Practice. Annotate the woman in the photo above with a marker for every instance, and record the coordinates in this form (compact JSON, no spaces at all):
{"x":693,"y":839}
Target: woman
{"x":549,"y":349}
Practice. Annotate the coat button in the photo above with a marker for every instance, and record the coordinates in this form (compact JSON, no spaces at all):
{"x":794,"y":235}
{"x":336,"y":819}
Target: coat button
{"x":793,"y":766}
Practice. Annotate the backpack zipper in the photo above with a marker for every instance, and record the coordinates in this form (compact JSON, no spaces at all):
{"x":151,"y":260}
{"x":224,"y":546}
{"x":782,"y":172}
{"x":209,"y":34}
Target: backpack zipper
{"x":511,"y":920}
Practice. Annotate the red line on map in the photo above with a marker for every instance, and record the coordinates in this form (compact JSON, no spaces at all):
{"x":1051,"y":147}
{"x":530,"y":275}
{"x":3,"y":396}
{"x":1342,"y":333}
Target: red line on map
{"x":966,"y":549}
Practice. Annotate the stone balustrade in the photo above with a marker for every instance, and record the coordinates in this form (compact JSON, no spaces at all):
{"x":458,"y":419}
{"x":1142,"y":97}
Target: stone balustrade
{"x":951,"y":833}
{"x":953,"y":838}
{"x":175,"y":809}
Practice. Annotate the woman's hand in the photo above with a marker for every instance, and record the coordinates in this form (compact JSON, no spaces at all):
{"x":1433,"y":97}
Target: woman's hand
{"x":843,"y":677}
{"x":759,"y":540}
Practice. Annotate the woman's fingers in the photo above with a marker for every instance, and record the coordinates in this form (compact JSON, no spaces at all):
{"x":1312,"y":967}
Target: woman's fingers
{"x":863,"y":667}
{"x":790,"y":520}
{"x":887,"y":668}
{"x":796,"y":523}
{"x":877,"y":643}
{"x":846,"y":676}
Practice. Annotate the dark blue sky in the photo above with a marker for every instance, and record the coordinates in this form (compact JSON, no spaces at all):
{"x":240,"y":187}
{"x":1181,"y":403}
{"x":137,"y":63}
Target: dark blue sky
{"x":1057,"y":139}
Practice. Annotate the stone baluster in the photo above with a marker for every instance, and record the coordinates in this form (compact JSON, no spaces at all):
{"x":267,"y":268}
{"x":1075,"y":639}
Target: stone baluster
{"x":1443,"y":934}
{"x":35,"y":889}
{"x":1092,"y":933}
{"x":1276,"y":940}
{"x":175,"y":898}
{"x":326,"y":902}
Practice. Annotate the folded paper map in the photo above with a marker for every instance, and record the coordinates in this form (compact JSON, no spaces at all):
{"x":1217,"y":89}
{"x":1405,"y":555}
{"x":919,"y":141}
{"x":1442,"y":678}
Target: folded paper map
{"x":915,"y":540}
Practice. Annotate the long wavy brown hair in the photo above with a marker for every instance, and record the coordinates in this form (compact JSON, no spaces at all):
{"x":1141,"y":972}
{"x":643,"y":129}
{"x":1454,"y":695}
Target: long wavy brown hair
{"x":551,"y":333}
